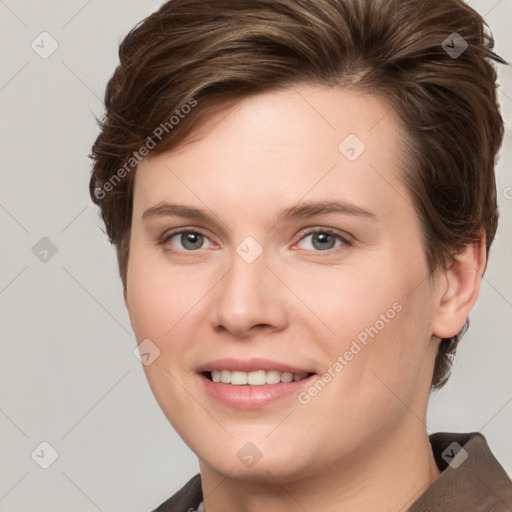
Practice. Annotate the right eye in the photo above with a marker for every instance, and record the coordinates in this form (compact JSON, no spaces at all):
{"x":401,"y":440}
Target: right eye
{"x":190,"y":240}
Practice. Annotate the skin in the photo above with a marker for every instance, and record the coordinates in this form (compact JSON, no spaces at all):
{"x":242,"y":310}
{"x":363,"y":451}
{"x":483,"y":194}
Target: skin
{"x":361,"y":443}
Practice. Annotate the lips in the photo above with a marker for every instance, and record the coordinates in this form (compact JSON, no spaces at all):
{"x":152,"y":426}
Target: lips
{"x":251,"y":365}
{"x":252,"y":383}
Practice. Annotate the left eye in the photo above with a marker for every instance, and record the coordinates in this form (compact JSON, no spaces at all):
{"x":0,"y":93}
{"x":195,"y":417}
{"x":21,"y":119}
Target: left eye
{"x":323,"y":240}
{"x":190,"y":240}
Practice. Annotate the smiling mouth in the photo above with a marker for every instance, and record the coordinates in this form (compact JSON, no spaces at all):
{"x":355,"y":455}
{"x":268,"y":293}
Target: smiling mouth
{"x":254,"y":378}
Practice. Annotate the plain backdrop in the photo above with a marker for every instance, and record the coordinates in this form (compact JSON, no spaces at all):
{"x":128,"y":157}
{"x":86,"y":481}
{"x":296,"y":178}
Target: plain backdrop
{"x":68,"y":376}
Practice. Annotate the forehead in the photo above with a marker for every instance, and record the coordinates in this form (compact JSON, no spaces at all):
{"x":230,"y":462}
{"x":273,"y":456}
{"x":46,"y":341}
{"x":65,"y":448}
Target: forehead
{"x":288,"y":117}
{"x":278,"y":147}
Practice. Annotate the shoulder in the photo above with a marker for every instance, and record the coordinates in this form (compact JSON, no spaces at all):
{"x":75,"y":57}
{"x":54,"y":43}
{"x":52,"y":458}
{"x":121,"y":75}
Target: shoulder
{"x":471,"y":478}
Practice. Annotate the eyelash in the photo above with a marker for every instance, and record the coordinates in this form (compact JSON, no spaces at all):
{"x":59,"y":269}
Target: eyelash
{"x":346,"y":240}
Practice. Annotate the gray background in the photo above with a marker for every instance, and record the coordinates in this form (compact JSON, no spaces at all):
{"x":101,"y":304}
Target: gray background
{"x":68,"y":375}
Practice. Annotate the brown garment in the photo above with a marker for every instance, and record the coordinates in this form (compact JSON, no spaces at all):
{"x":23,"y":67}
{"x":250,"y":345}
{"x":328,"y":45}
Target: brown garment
{"x":479,"y":484}
{"x":472,"y":480}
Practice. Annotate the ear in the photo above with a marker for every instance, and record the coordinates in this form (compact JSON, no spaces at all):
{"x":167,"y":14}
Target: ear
{"x":459,"y":288}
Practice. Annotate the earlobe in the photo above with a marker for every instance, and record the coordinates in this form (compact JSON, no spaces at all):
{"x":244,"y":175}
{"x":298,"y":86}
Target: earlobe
{"x":460,"y":287}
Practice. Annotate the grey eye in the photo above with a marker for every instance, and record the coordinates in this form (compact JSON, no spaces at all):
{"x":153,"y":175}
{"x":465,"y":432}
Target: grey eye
{"x":322,"y":241}
{"x":189,"y":240}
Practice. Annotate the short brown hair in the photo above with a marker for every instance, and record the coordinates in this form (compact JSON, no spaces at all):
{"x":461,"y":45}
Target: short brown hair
{"x":206,"y":55}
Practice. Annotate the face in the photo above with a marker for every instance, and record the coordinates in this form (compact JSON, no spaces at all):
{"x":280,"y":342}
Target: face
{"x":279,"y":245}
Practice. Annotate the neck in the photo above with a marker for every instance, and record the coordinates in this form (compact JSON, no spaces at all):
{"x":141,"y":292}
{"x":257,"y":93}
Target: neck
{"x":388,"y":476}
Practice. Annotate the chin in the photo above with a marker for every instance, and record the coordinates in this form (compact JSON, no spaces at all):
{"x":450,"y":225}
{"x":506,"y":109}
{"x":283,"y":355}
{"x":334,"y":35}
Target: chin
{"x":263,"y":472}
{"x":265,"y":461}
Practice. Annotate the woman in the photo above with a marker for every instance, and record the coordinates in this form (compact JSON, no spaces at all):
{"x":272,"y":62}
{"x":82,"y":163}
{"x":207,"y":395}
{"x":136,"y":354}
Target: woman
{"x":302,"y":198}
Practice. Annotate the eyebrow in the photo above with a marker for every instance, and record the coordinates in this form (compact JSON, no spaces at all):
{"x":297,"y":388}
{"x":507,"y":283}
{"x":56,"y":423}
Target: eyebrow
{"x":299,"y":211}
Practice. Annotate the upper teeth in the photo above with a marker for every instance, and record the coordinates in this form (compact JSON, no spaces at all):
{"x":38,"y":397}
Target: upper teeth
{"x":256,"y":378}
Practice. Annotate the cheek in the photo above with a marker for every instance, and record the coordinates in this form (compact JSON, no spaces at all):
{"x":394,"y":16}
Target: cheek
{"x":393,"y":362}
{"x":377,"y":385}
{"x":162,"y":307}
{"x":380,"y":317}
{"x":161,"y":299}
{"x":345,"y":301}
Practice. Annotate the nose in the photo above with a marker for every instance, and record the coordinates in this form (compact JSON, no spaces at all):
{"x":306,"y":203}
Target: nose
{"x":249,"y":299}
